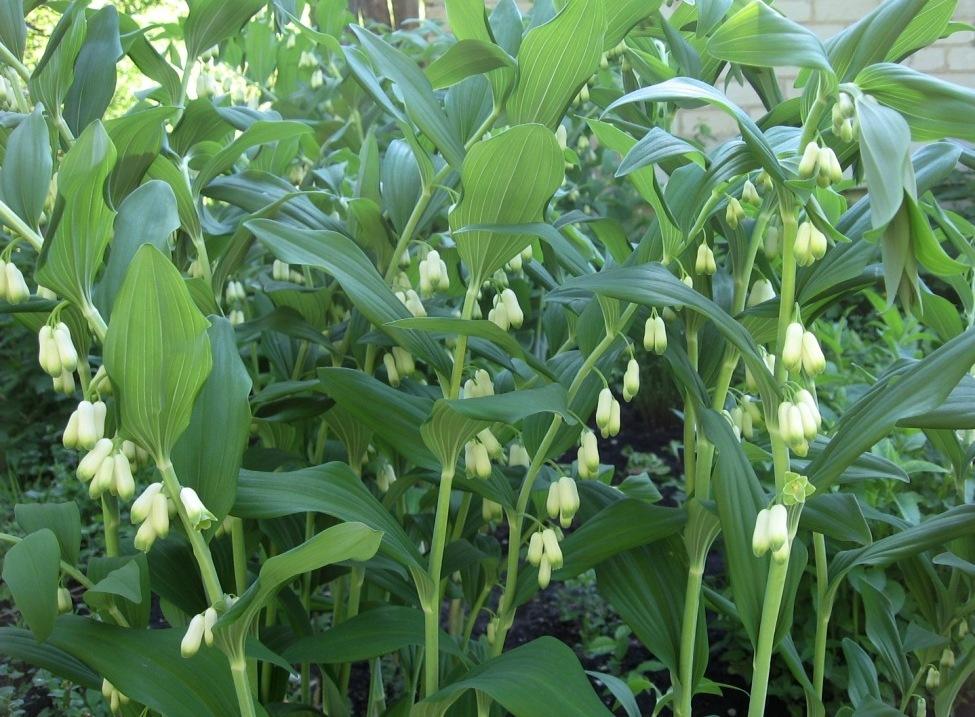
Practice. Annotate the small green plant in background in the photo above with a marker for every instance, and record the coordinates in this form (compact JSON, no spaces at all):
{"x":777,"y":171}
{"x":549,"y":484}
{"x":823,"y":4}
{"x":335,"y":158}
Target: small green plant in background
{"x":368,"y":339}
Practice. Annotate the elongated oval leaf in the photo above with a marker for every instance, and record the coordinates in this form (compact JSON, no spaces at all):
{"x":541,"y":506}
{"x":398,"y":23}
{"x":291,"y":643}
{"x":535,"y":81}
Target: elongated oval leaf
{"x":759,"y":36}
{"x":157,"y":352}
{"x":26,"y":172}
{"x":31,"y":569}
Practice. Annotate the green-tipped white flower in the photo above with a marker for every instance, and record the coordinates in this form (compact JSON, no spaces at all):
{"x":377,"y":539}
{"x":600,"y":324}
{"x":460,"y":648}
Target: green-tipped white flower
{"x":803,"y":396}
{"x":614,"y":420}
{"x":99,"y":412}
{"x":193,"y":637}
{"x":790,"y":424}
{"x":830,"y":170}
{"x":809,"y":161}
{"x":631,"y":380}
{"x":143,"y":504}
{"x":65,"y":603}
{"x":209,"y":620}
{"x":89,"y":465}
{"x":479,"y":386}
{"x":792,"y":346}
{"x":87,"y":431}
{"x":760,"y":539}
{"x":280,"y":271}
{"x":588,"y":455}
{"x":518,"y":456}
{"x":104,"y":479}
{"x":947,"y":660}
{"x":778,"y":527}
{"x":536,"y":549}
{"x":236,"y":317}
{"x":604,"y":408}
{"x":568,"y":500}
{"x":404,"y":361}
{"x":385,"y":477}
{"x":17,"y":289}
{"x":544,"y":572}
{"x":561,"y":136}
{"x":494,"y":448}
{"x":933,"y":679}
{"x":734,"y":213}
{"x":848,"y":131}
{"x":491,"y":511}
{"x":413,"y":304}
{"x":47,"y":351}
{"x":552,"y":501}
{"x":552,"y":550}
{"x":801,"y":246}
{"x":516,"y":316}
{"x":813,"y":360}
{"x":145,"y":536}
{"x":123,"y":483}
{"x":392,"y":373}
{"x":761,"y":292}
{"x":64,"y":383}
{"x":809,"y":427}
{"x":101,"y":383}
{"x":477,"y":460}
{"x":770,"y":242}
{"x":70,"y":437}
{"x":159,"y":515}
{"x":66,"y":349}
{"x":749,"y":194}
{"x":704,"y":263}
{"x":197,"y":513}
{"x":655,"y":335}
{"x":818,"y":243}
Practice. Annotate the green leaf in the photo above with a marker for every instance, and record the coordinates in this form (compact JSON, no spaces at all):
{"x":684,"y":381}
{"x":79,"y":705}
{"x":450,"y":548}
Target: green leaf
{"x":137,"y":137}
{"x":908,"y":391}
{"x":207,"y":456}
{"x":540,"y":679}
{"x":63,"y":519}
{"x":478,"y":328}
{"x":346,"y":541}
{"x":54,"y":72}
{"x":688,"y":90}
{"x":934,"y":109}
{"x":70,"y":260}
{"x":210,"y":22}
{"x":20,"y":645}
{"x":13,"y":28}
{"x":883,"y":633}
{"x":340,"y":257}
{"x":622,"y":15}
{"x":93,"y":86}
{"x":464,"y":59}
{"x":374,"y":633}
{"x":873,"y":36}
{"x":394,"y":416}
{"x":26,"y":172}
{"x":554,"y":62}
{"x":657,"y":144}
{"x":837,"y":515}
{"x":653,"y":285}
{"x":332,"y":489}
{"x":157,"y":352}
{"x":507,"y":179}
{"x":146,"y":216}
{"x":125,"y":582}
{"x":31,"y":569}
{"x":759,"y":36}
{"x":261,"y":132}
{"x":146,"y":665}
{"x":421,"y":104}
{"x":885,"y":149}
{"x":863,"y":675}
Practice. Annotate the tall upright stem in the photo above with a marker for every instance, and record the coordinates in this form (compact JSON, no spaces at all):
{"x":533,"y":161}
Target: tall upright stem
{"x":431,"y":608}
{"x":766,"y":636}
{"x":688,"y":636}
{"x":824,"y":608}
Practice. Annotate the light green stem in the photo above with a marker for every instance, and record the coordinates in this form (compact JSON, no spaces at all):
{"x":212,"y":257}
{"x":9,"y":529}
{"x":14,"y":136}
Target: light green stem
{"x":8,"y":58}
{"x":111,"y":519}
{"x":10,"y":218}
{"x":431,"y":610}
{"x":824,"y":609}
{"x":688,"y":636}
{"x":766,"y":636}
{"x":245,"y":698}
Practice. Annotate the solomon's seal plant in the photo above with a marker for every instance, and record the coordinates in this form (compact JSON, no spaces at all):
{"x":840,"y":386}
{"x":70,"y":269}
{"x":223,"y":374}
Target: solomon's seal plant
{"x":348,"y":317}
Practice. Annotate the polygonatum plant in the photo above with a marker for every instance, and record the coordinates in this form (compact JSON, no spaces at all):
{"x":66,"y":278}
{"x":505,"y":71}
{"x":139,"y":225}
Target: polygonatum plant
{"x":351,"y":314}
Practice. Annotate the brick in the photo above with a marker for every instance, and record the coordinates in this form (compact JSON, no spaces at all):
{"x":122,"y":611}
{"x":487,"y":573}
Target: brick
{"x":961,"y":59}
{"x":842,"y":10}
{"x":798,"y":10}
{"x":930,"y":59}
{"x":827,"y":29}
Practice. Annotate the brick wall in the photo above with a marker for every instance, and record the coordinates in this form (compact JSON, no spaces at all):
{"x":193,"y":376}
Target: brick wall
{"x":952,"y":59}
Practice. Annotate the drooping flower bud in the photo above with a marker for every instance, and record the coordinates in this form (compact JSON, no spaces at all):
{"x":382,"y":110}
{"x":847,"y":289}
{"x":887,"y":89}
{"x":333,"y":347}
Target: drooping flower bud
{"x":516,"y":316}
{"x":809,"y":161}
{"x":392,"y":373}
{"x":209,"y":620}
{"x":143,"y":504}
{"x":809,"y":427}
{"x":947,"y":660}
{"x":544,"y":572}
{"x":280,"y":271}
{"x":414,"y":305}
{"x":123,"y":482}
{"x":552,"y":504}
{"x":613,"y":429}
{"x":704,"y":263}
{"x":778,"y":526}
{"x":760,"y":539}
{"x":655,"y":335}
{"x":568,"y":500}
{"x":47,"y":351}
{"x":197,"y":513}
{"x":817,"y":243}
{"x":588,"y":455}
{"x":99,"y":412}
{"x":104,"y":479}
{"x":813,"y":360}
{"x":159,"y":515}
{"x":604,"y":408}
{"x":761,"y":292}
{"x":518,"y":456}
{"x":17,"y":289}
{"x":802,"y":245}
{"x":66,"y":349}
{"x":65,"y":603}
{"x":145,"y":536}
{"x":631,"y":380}
{"x":749,"y":194}
{"x":89,"y":465}
{"x":70,"y":437}
{"x":385,"y":477}
{"x":193,"y":637}
{"x":535,"y":549}
{"x":792,"y":346}
{"x":770,"y":242}
{"x":237,"y":317}
{"x":734,"y":213}
{"x":404,"y":361}
{"x":552,"y":550}
{"x":491,"y":511}
{"x":494,"y":448}
{"x":933,"y":679}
